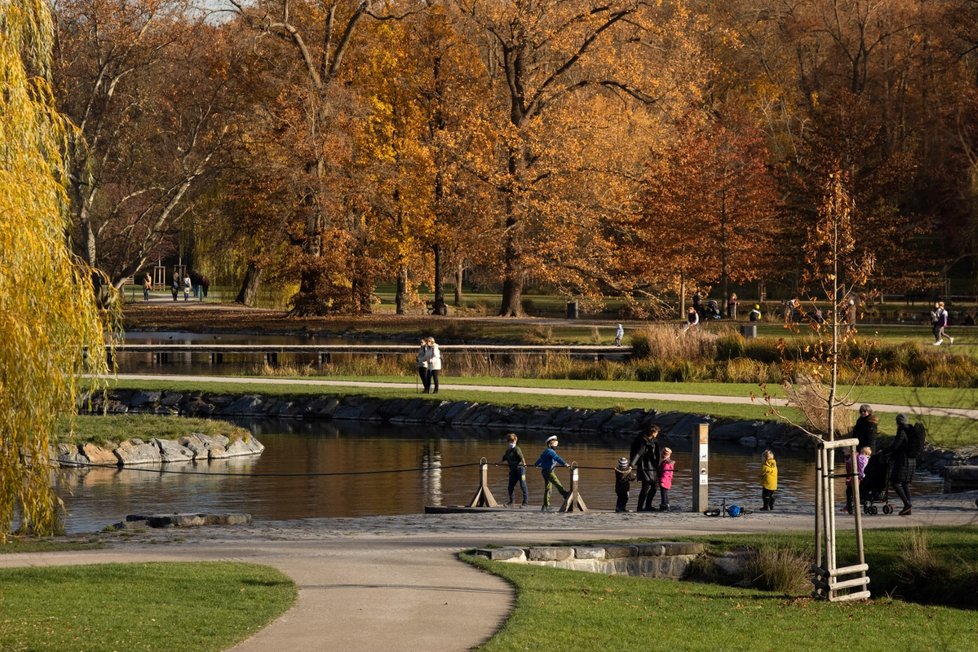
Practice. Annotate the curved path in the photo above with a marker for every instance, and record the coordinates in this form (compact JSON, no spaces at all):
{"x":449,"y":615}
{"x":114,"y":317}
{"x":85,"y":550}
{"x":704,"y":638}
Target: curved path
{"x":547,"y":391}
{"x":395,"y":583}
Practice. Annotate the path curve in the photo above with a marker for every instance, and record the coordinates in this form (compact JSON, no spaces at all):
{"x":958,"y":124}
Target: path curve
{"x":394,"y":582}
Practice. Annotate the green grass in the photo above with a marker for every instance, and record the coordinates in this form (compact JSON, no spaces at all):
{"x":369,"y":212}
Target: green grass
{"x":567,"y":610}
{"x":18,"y":544}
{"x":99,"y":429}
{"x":154,"y":606}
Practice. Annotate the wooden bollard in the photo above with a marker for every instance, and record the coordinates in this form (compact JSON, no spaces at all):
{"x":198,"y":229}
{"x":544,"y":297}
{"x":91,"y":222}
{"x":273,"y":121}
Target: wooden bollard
{"x":483,"y":497}
{"x":574,"y":502}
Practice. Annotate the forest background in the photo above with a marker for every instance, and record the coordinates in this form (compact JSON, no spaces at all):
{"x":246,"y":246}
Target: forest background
{"x":617,"y":148}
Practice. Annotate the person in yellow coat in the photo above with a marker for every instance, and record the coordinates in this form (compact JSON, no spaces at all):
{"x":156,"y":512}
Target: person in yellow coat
{"x":769,"y":480}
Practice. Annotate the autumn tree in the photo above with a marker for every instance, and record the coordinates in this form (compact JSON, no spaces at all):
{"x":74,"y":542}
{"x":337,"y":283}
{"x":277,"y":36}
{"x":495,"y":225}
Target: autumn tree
{"x":47,"y":313}
{"x":144,"y":84}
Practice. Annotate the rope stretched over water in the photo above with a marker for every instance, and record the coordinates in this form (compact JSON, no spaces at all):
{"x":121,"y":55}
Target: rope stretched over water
{"x":257,"y":475}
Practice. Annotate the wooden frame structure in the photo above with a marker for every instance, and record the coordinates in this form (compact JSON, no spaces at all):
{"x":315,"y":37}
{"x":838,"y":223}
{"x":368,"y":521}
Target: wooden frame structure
{"x":832,"y":582}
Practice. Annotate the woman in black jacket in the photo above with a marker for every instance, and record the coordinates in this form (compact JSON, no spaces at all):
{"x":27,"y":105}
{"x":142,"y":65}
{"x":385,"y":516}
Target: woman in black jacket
{"x":903,"y":465}
{"x":645,"y":460}
{"x":866,"y":428}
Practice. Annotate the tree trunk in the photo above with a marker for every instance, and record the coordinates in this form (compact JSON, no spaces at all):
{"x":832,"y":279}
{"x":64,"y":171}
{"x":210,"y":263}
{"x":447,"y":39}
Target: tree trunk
{"x":400,"y":291}
{"x":512,"y":305}
{"x":438,"y":307}
{"x":458,"y":285}
{"x":682,"y":295}
{"x":248,"y":294}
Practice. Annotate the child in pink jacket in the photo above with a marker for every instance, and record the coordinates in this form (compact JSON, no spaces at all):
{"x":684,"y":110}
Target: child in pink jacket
{"x":666,"y":468}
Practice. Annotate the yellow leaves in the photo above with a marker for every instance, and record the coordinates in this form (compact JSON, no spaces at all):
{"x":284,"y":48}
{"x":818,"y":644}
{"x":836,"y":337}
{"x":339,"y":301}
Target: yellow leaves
{"x":47,"y":310}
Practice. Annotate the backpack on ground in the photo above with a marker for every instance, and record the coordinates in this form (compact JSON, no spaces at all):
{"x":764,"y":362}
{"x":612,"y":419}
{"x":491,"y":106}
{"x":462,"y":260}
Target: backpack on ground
{"x":915,"y":441}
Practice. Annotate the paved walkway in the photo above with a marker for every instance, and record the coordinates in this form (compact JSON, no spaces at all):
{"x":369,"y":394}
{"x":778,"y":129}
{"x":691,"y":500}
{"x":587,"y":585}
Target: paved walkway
{"x":446,"y":388}
{"x":394,"y":582}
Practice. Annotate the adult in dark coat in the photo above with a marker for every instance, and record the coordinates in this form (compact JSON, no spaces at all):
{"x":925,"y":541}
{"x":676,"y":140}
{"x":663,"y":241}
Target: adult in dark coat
{"x":866,"y":428}
{"x":645,"y":460}
{"x":903,"y":465}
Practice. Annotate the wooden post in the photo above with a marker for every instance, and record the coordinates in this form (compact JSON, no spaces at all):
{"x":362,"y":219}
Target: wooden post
{"x":573,"y":502}
{"x":701,"y":466}
{"x":483,"y":497}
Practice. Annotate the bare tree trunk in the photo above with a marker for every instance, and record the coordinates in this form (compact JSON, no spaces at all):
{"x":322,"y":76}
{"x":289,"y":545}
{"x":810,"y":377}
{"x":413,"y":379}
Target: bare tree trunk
{"x":400,"y":291}
{"x":438,"y":307}
{"x":458,"y":285}
{"x":248,"y":294}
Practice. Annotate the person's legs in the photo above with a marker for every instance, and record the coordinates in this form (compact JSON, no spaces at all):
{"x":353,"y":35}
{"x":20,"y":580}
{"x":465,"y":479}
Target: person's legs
{"x":642,"y":495}
{"x":848,"y":507}
{"x":621,"y":504}
{"x":425,"y":379}
{"x":651,"y":496}
{"x":513,"y":479}
{"x":556,"y":483}
{"x":766,"y":500}
{"x":546,"y":490}
{"x":663,"y":499}
{"x":434,"y":381}
{"x":523,"y":487}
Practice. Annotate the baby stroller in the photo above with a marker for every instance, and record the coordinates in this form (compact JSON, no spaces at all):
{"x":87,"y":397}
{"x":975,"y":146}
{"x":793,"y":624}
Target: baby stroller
{"x":711,"y":310}
{"x":875,"y":485}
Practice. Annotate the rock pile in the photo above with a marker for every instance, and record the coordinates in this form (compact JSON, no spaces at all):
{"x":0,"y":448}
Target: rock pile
{"x":135,"y":452}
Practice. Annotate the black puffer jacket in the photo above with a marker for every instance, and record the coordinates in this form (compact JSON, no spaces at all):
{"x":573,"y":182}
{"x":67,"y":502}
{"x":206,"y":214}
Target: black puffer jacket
{"x":903,"y":465}
{"x":865,"y":431}
{"x":645,"y":458}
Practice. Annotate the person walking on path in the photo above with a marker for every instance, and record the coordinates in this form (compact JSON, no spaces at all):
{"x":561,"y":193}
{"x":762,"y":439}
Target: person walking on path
{"x":624,"y":474}
{"x":517,"y":469}
{"x":434,"y":364}
{"x":187,"y":286}
{"x":939,"y":318}
{"x":866,"y":427}
{"x":732,"y":306}
{"x":644,"y":459}
{"x":422,"y":363}
{"x":619,"y":334}
{"x":851,"y":316}
{"x":147,"y":286}
{"x":666,"y":469}
{"x":175,"y":286}
{"x":548,"y":461}
{"x":903,"y":462}
{"x":769,"y":480}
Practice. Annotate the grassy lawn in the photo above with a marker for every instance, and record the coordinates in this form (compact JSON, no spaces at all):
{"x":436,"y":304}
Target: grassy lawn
{"x":155,"y":606}
{"x":567,"y":610}
{"x":947,"y":432}
{"x":99,"y":430}
{"x":17,"y":544}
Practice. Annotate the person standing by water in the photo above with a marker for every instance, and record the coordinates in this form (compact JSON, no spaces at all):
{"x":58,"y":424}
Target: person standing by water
{"x":624,"y":475}
{"x":422,"y":363}
{"x":548,"y":461}
{"x":666,"y":469}
{"x":434,"y":365}
{"x":645,"y":460}
{"x":517,"y":470}
{"x":769,"y":480}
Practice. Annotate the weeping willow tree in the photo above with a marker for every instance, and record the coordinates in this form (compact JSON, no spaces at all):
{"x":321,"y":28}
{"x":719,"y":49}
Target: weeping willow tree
{"x":50,"y":327}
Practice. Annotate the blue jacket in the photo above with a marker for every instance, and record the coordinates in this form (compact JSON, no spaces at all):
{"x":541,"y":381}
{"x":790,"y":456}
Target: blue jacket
{"x":548,"y":460}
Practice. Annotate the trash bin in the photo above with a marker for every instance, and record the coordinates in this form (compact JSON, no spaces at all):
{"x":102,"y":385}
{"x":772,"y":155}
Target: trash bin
{"x":573,"y":311}
{"x":748,"y":330}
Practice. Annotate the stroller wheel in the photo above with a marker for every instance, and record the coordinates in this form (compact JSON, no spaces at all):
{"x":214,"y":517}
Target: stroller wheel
{"x":887,"y":509}
{"x":873,"y":510}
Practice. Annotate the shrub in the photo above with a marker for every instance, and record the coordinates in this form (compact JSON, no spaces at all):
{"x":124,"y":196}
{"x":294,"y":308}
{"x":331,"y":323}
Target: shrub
{"x":780,"y":567}
{"x":730,"y":345}
{"x":925,"y":577}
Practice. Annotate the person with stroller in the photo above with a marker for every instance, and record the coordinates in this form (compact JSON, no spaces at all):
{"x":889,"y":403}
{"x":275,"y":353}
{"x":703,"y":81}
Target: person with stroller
{"x":645,"y":458}
{"x":903,"y":464}
{"x":866,"y":427}
{"x":517,"y":469}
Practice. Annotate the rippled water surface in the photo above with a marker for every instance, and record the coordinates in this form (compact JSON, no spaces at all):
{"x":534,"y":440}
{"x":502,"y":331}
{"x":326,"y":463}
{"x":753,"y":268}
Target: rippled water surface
{"x":344,"y":469}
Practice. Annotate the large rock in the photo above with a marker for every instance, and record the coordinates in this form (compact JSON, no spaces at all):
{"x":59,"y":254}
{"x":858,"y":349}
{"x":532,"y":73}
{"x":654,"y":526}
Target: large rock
{"x":131,"y":454}
{"x":243,"y":446}
{"x":95,"y":454}
{"x":172,"y":451}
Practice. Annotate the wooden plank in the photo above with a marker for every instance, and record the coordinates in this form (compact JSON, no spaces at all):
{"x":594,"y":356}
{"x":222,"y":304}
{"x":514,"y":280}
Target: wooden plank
{"x":848,"y":584}
{"x":849,"y":570}
{"x":861,"y":595}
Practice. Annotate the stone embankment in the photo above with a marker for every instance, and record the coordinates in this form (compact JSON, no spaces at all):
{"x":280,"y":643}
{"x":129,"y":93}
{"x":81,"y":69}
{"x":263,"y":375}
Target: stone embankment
{"x":663,"y":559}
{"x":609,"y":422}
{"x":195,"y":447}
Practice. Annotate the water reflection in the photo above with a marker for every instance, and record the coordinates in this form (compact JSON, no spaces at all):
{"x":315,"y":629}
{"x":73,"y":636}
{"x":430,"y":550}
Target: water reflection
{"x":352,"y":469}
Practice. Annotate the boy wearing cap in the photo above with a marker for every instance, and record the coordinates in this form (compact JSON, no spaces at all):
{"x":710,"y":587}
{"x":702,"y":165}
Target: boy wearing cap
{"x":549,"y":460}
{"x":624,"y":474}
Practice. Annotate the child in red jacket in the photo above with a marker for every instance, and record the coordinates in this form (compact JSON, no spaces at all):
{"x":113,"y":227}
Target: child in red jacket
{"x":666,"y":468}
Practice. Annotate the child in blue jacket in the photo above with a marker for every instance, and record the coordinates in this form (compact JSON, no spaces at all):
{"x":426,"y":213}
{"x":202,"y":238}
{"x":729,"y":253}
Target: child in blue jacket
{"x":549,"y":460}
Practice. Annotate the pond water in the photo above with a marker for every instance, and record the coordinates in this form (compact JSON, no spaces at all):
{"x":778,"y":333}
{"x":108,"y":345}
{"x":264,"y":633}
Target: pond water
{"x":332,"y":469}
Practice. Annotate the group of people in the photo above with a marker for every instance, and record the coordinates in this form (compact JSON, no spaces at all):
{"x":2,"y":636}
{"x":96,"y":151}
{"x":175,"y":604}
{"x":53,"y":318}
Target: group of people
{"x":429,"y":364}
{"x":189,"y":283}
{"x":898,"y":459}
